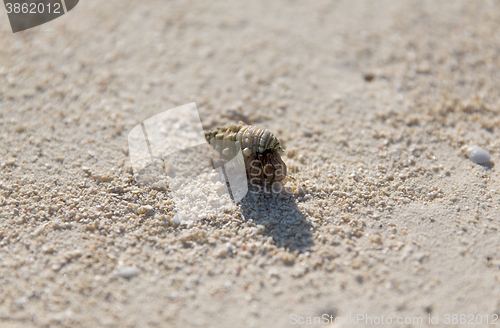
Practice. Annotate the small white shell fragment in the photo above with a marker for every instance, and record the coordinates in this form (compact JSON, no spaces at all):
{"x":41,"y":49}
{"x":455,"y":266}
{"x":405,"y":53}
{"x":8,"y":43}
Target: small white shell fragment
{"x":177,"y":219}
{"x":129,"y":272}
{"x":39,"y":230}
{"x":307,"y":131}
{"x":478,"y":155}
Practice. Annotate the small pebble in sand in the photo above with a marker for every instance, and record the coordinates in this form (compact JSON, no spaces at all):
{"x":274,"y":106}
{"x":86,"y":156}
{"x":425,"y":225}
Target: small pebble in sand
{"x":478,"y":155}
{"x":129,"y":272}
{"x":369,"y":77}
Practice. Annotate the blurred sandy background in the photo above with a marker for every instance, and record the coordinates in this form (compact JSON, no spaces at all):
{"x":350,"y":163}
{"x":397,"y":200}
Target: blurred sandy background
{"x":373,"y":101}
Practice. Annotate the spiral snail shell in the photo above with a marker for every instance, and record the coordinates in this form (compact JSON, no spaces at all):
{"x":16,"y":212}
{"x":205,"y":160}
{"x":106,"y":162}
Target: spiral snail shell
{"x":261,"y":150}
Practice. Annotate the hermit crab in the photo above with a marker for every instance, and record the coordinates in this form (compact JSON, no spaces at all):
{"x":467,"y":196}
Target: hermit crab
{"x":261,"y":150}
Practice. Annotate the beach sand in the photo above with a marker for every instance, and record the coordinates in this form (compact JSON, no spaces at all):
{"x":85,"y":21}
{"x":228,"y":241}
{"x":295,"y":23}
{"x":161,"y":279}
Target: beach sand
{"x":375,"y":103}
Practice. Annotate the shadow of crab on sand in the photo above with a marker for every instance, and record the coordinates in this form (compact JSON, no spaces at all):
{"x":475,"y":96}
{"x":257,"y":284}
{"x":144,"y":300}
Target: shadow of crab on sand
{"x":281,"y":217}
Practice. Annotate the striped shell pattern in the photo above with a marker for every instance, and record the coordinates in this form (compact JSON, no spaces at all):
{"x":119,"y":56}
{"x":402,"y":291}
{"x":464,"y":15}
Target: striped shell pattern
{"x":260,"y":150}
{"x":251,"y":139}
